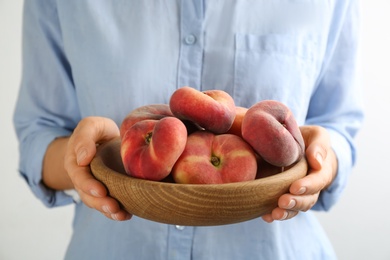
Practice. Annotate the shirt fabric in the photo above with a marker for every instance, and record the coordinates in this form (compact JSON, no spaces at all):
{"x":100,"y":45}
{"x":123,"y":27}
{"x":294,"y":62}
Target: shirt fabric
{"x":106,"y":58}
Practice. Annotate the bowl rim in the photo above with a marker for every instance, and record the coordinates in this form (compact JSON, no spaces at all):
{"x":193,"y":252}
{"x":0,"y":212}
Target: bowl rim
{"x":221,"y":214}
{"x":98,"y":161}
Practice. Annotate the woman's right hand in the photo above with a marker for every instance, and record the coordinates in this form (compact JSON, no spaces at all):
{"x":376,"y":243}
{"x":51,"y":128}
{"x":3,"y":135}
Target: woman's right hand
{"x":81,"y":148}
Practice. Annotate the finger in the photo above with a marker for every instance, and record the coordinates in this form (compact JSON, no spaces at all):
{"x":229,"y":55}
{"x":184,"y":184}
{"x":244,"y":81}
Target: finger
{"x":283,"y":214}
{"x":320,"y":174}
{"x":267,"y":218}
{"x":279,"y":214}
{"x":103,"y":204}
{"x":81,"y":150}
{"x":107,"y":206}
{"x":289,"y":206}
{"x":297,"y":203}
{"x":120,"y":216}
{"x":316,"y":180}
{"x":89,"y":132}
{"x":316,"y":153}
{"x":317,"y":142}
{"x":82,"y":178}
{"x":312,"y":183}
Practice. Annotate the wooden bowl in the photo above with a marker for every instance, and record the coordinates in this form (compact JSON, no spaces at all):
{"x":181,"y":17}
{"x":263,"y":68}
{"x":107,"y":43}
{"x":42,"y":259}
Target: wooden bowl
{"x":190,"y":204}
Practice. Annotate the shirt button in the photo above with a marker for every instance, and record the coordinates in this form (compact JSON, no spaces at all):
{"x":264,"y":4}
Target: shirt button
{"x":179,"y":227}
{"x":190,"y":39}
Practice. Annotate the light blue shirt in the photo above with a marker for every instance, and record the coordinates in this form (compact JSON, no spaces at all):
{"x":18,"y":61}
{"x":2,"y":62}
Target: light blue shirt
{"x":105,"y":58}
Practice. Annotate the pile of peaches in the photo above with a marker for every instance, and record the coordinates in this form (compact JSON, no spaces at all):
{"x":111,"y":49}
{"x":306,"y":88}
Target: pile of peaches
{"x":202,"y":137}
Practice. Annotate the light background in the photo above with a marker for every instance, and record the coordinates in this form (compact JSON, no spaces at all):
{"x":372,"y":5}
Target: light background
{"x":358,"y":225}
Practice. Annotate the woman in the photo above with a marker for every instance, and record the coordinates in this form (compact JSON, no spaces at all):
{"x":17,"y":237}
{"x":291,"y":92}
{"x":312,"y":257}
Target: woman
{"x":86,"y":64}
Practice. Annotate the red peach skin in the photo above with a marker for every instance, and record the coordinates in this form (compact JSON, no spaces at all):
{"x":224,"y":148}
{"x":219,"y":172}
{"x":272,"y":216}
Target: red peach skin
{"x":213,"y":159}
{"x":213,"y":110}
{"x":271,"y":129}
{"x":150,"y":148}
{"x":237,"y":123}
{"x":153,"y":111}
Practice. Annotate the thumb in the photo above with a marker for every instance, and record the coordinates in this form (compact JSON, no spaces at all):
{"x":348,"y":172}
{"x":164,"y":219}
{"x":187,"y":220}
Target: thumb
{"x":90,"y":132}
{"x":316,"y":154}
{"x":317,"y":143}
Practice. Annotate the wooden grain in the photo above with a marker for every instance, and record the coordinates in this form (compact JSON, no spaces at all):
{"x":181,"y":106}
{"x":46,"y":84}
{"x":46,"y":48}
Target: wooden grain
{"x":190,"y":204}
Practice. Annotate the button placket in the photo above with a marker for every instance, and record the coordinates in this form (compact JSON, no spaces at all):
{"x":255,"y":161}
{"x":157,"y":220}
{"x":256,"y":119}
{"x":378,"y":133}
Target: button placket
{"x":191,"y":49}
{"x":180,"y":241}
{"x":190,"y":39}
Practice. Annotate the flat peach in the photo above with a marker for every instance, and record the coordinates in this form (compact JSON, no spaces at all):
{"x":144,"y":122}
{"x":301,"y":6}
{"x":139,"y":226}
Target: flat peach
{"x":271,"y":129}
{"x":209,"y":158}
{"x":150,"y":148}
{"x":213,"y":110}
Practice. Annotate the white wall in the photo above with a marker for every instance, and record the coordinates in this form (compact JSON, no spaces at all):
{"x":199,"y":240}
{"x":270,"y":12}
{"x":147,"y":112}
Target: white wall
{"x":358,"y":225}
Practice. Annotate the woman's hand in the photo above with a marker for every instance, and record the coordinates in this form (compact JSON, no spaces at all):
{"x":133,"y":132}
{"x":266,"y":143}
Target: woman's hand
{"x":80,"y":151}
{"x":322,"y":170}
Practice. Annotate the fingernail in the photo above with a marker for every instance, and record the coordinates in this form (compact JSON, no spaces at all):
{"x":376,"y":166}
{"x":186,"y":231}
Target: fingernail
{"x":114,"y":217}
{"x":291,"y":204}
{"x":106,"y":209}
{"x":301,"y":190}
{"x":284,"y":215}
{"x":319,"y":159}
{"x":81,"y":154}
{"x":95,"y":193}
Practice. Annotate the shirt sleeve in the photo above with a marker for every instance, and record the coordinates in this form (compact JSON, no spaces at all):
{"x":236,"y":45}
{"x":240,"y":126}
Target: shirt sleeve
{"x":47,"y":106}
{"x":338,"y":94}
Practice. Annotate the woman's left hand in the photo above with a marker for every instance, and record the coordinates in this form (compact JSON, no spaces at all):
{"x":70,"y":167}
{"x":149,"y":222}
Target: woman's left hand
{"x":304,"y":193}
